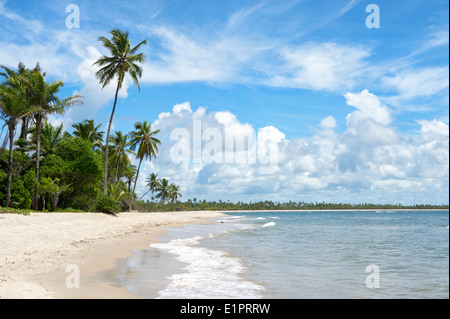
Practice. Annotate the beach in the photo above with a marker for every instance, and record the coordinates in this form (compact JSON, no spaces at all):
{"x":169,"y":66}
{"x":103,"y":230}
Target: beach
{"x":41,"y":253}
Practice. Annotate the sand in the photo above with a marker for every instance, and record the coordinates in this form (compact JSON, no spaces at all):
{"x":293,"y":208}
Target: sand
{"x":42,"y":254}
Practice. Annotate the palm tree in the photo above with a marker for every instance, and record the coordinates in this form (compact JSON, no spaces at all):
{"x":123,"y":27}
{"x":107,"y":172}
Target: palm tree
{"x":147,"y":144}
{"x":130,"y":172}
{"x":152,"y":183}
{"x":123,"y":60}
{"x":120,"y":146}
{"x":174,"y":192}
{"x":88,"y":131}
{"x":13,"y":107}
{"x":163,"y":190}
{"x":43,"y":96}
{"x":117,"y":191}
{"x":10,"y":73}
{"x":50,"y":137}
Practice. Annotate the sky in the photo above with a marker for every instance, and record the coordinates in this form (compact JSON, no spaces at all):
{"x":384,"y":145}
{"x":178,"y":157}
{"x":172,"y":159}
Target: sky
{"x":335,"y":101}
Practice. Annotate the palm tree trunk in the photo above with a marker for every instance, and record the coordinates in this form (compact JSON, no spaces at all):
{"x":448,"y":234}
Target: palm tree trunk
{"x":38,"y":155}
{"x":145,"y":194}
{"x":137,"y":175}
{"x":10,"y":166}
{"x":105,"y":186}
{"x":117,"y":169}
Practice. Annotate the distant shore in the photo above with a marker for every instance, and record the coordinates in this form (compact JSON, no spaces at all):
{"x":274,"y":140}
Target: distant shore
{"x":39,"y":251}
{"x":333,"y":210}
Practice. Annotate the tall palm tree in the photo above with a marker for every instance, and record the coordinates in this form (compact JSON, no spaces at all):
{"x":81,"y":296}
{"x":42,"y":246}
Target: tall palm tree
{"x":13,"y":107}
{"x":163,"y":190}
{"x":88,"y":131}
{"x":152,"y":183}
{"x":123,"y":60}
{"x":174,"y":192}
{"x":11,"y":73}
{"x":120,"y":146}
{"x":43,"y":96}
{"x":147,"y":144}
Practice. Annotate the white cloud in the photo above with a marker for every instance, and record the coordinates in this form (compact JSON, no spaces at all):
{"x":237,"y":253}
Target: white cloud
{"x":321,"y":66}
{"x":95,"y":97}
{"x":370,"y":160}
{"x":413,"y":83}
{"x":184,"y":58}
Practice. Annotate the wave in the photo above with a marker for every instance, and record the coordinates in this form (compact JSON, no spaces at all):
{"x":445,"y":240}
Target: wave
{"x":209,"y":273}
{"x":270,"y":224}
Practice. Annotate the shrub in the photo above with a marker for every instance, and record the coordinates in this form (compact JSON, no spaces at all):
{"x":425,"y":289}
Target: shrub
{"x":106,"y":204}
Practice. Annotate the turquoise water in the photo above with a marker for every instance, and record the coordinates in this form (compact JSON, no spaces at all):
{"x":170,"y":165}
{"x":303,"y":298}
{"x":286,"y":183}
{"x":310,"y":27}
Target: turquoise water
{"x":302,"y":255}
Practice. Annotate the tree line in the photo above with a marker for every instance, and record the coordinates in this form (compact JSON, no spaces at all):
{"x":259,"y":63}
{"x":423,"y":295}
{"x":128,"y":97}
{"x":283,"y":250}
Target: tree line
{"x":194,"y":204}
{"x":46,"y":168}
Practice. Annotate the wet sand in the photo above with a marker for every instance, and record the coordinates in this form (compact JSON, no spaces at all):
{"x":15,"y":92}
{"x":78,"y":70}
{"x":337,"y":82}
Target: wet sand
{"x":42,"y":254}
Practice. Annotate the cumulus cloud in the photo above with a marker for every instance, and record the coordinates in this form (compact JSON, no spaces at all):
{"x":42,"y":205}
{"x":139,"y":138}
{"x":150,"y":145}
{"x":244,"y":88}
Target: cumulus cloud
{"x":370,"y":159}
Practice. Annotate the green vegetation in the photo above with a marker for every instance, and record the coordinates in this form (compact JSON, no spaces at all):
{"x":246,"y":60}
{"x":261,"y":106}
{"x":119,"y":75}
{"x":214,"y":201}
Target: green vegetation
{"x":49,"y":169}
{"x":191,"y":205}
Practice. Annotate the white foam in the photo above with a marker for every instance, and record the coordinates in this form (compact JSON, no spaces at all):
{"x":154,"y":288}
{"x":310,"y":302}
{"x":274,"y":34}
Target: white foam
{"x":260,"y":218}
{"x":209,"y":273}
{"x":270,"y":224}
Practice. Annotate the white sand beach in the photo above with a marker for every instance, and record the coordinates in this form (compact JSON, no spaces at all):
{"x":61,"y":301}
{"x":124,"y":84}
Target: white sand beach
{"x":37,"y":251}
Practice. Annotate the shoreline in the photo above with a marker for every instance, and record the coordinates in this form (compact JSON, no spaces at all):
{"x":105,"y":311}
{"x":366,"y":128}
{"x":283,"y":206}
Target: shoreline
{"x":36,"y":250}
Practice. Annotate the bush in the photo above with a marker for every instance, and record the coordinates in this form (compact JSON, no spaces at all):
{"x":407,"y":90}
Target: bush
{"x":106,"y":204}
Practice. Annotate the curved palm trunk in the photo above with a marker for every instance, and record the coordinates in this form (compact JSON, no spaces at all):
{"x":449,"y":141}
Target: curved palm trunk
{"x":105,"y":186}
{"x":10,"y":166}
{"x":35,"y":201}
{"x":145,"y":194}
{"x":137,"y":175}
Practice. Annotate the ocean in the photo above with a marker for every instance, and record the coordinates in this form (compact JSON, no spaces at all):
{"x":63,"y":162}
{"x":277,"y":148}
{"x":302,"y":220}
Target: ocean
{"x":297,"y":255}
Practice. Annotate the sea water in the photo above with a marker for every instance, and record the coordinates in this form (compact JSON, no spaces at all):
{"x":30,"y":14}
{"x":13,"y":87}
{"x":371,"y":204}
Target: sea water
{"x":294,"y":255}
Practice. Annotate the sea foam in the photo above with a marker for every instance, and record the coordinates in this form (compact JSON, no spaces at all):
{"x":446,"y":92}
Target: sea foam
{"x":208,"y":274}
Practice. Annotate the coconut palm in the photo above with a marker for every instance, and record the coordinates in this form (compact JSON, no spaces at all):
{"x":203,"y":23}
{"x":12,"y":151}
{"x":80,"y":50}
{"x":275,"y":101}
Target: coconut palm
{"x":11,"y":73}
{"x":50,"y":137}
{"x":174,"y":192}
{"x":120,"y":146}
{"x":13,"y":107}
{"x":143,"y":138}
{"x":130,"y":172}
{"x":117,"y":191}
{"x":163,"y":190}
{"x":88,"y":131}
{"x":152,"y":183}
{"x":123,"y":60}
{"x":43,"y":96}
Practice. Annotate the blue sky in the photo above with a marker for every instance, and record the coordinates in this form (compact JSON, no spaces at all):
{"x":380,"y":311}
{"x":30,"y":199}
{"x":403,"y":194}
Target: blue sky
{"x":361,"y":115}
